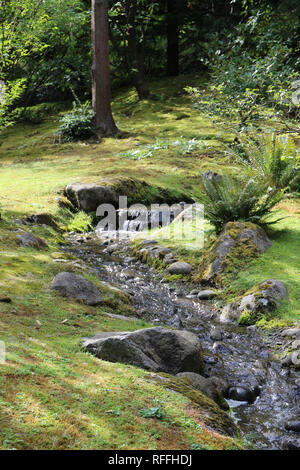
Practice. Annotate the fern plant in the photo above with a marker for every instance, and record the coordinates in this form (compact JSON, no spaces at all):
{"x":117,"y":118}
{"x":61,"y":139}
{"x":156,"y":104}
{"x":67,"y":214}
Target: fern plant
{"x":229,"y":199}
{"x":272,"y":160}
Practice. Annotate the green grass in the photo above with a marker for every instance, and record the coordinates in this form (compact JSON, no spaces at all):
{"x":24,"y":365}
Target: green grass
{"x":53,"y":395}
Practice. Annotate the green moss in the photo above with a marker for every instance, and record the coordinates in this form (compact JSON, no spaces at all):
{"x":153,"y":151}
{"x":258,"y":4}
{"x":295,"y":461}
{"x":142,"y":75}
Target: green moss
{"x":210,"y":413}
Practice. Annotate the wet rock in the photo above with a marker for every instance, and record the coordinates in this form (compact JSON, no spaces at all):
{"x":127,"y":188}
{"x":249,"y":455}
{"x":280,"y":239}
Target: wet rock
{"x":180,"y":267}
{"x":296,"y":344}
{"x":206,"y":386}
{"x":292,"y":332}
{"x":156,"y":349}
{"x":239,"y":240}
{"x":292,"y":359}
{"x":206,"y":294}
{"x":264,"y":297}
{"x":293,"y":425}
{"x":220,"y":348}
{"x":242,"y":394}
{"x":76,"y":287}
{"x":28,"y":240}
{"x":216,"y":333}
{"x":290,"y":445}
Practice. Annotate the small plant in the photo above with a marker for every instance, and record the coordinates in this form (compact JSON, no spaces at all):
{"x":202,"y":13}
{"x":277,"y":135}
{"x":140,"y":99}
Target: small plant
{"x":77,"y":124}
{"x":197,"y":446}
{"x":155,"y":412}
{"x":183,"y":147}
{"x":81,"y":222}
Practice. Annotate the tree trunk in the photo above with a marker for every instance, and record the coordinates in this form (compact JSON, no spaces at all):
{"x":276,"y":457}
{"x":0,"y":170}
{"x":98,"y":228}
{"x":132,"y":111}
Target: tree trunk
{"x":173,"y":39}
{"x":104,"y":121}
{"x":136,"y":56}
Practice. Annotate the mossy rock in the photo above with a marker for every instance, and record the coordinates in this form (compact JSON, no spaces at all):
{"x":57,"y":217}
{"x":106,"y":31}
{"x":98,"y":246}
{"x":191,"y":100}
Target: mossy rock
{"x":88,"y":196}
{"x":238,"y":243}
{"x":257,"y":303}
{"x":209,"y":412}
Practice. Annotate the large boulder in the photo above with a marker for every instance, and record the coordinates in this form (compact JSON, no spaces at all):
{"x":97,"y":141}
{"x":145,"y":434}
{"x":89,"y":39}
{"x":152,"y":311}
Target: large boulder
{"x":155,"y":349}
{"x":239,"y":242}
{"x":263,"y":298}
{"x":206,"y":386}
{"x":76,"y":287}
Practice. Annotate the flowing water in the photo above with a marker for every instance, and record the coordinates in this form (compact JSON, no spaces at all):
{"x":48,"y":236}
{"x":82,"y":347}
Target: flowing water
{"x":242,"y":356}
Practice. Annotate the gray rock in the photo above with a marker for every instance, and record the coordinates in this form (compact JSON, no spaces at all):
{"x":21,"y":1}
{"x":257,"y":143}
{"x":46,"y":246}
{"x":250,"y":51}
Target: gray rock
{"x":262,"y":298}
{"x":206,"y":386}
{"x":293,"y":425}
{"x":206,"y":294}
{"x":180,"y":267}
{"x":155,"y":349}
{"x":88,"y":196}
{"x":27,"y":239}
{"x":76,"y":287}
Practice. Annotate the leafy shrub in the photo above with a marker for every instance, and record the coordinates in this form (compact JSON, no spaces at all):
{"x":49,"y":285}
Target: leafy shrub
{"x":77,"y":124}
{"x":253,"y":69}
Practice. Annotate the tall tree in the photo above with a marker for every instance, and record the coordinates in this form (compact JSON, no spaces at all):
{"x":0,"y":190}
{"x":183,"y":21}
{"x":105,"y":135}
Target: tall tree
{"x":173,"y":38}
{"x":101,"y":94}
{"x":136,"y":50}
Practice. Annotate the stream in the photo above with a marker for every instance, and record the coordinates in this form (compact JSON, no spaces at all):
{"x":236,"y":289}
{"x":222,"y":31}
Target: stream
{"x":241,"y":356}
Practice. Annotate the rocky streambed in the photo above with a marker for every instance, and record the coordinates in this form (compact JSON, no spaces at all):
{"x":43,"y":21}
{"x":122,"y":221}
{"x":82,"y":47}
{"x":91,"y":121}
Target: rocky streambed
{"x":264,"y":396}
